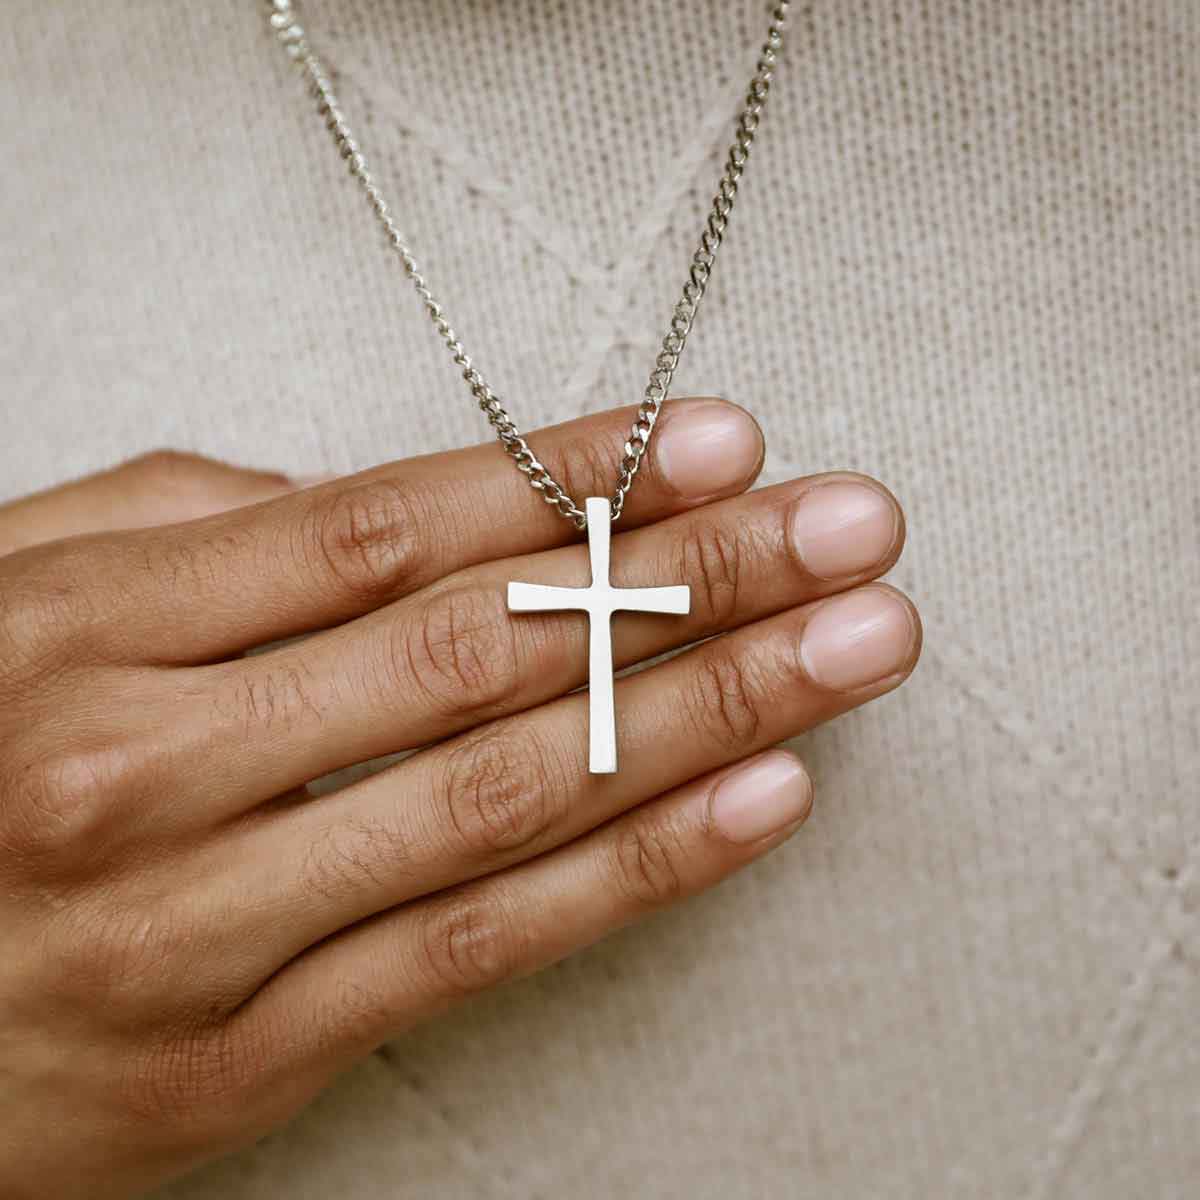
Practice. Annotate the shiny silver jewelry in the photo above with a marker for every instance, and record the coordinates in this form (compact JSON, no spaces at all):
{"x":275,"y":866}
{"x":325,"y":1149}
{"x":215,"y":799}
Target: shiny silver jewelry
{"x":600,"y":599}
{"x":285,"y":22}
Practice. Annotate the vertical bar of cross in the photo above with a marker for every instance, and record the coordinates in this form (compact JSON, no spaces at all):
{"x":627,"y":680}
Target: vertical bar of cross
{"x":602,"y":719}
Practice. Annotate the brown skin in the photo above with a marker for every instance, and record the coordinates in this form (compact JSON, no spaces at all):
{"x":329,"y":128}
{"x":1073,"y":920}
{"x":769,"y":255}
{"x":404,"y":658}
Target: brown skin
{"x":187,"y":952}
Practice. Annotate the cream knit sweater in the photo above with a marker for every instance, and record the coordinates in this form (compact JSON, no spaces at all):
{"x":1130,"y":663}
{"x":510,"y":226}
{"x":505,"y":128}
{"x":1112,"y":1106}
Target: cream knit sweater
{"x":967,"y":260}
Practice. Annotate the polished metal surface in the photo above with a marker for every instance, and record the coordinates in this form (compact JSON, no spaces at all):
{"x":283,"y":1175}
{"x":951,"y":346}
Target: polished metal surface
{"x":599,"y":600}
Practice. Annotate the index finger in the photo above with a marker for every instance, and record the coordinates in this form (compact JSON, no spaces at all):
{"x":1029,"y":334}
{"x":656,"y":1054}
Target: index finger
{"x":210,"y":588}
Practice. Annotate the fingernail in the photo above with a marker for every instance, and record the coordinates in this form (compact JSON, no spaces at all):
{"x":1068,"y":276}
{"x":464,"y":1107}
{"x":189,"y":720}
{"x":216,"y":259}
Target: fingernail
{"x":307,"y":481}
{"x":857,"y":639}
{"x":706,"y":448}
{"x":761,"y":797}
{"x":843,"y":528}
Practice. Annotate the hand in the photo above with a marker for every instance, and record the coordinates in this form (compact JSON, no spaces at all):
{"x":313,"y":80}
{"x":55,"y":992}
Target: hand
{"x":189,"y":946}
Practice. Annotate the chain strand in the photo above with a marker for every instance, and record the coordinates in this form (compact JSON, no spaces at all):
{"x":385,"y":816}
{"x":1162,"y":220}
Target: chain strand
{"x":285,"y":22}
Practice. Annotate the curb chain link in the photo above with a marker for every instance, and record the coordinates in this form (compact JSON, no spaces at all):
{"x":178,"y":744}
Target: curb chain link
{"x":285,"y":23}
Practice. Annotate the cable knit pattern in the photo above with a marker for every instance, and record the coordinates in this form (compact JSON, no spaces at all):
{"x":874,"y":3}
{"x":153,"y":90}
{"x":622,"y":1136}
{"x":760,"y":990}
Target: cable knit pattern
{"x":966,"y":259}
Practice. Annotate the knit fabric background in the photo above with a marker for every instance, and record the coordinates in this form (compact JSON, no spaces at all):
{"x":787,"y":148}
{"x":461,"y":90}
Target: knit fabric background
{"x":966,"y":259}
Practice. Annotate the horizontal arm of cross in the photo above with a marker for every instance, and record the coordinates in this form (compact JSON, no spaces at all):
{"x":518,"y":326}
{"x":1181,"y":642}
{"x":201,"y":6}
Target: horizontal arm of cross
{"x":675,"y":599}
{"x":542,"y":597}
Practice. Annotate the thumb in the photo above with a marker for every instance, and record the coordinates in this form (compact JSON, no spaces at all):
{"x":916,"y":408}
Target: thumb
{"x":155,"y":489}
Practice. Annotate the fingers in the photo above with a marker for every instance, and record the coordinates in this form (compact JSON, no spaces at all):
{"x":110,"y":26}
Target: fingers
{"x":347,"y":995}
{"x":521,"y":787}
{"x":155,"y":489}
{"x":452,"y":656}
{"x":211,"y":588}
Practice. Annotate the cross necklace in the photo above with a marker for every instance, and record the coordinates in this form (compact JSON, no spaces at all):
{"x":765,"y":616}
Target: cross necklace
{"x":599,"y":600}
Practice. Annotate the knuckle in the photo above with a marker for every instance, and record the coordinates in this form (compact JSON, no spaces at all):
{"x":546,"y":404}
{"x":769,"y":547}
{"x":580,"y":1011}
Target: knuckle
{"x":361,"y":1009}
{"x":352,"y":855}
{"x":354,"y":1013}
{"x":713,"y":554}
{"x":27,"y":629}
{"x":504,"y":793}
{"x":262,"y":695}
{"x":461,"y":650}
{"x":45,"y":613}
{"x":192,"y":1077}
{"x":167,"y":467}
{"x":584,"y":465}
{"x":126,"y":956}
{"x":644,"y":858}
{"x":60,"y":804}
{"x":726,"y":708}
{"x":370,"y":537}
{"x":467,"y":943}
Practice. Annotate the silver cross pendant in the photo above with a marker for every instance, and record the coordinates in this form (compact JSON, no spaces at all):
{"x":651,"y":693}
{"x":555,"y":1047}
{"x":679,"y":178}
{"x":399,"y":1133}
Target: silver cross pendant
{"x":599,"y":600}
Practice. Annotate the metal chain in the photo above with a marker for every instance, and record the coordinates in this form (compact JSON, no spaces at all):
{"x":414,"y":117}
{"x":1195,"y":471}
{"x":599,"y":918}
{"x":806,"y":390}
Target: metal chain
{"x":285,"y":22}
